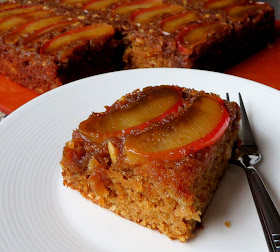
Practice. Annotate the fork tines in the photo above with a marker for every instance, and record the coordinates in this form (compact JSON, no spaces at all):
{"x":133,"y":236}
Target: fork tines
{"x":248,"y":137}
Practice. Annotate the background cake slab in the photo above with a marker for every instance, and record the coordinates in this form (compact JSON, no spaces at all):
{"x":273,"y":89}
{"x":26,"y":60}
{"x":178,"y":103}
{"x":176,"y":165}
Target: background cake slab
{"x":261,"y":67}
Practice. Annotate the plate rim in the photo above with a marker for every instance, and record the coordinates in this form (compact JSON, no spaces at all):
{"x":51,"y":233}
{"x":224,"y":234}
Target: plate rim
{"x":74,"y":85}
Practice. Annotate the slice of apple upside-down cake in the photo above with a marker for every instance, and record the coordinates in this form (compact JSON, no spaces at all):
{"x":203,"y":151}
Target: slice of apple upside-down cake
{"x":155,"y":156}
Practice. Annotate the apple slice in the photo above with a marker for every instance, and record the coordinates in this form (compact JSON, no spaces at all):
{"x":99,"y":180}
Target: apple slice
{"x":99,"y":4}
{"x":126,"y":8}
{"x":242,"y":11}
{"x":16,"y":20}
{"x":49,"y":28}
{"x":73,"y":1}
{"x":11,"y":22}
{"x":8,"y":5}
{"x":30,"y":27}
{"x":19,"y":10}
{"x":196,"y":1}
{"x":195,"y":34}
{"x":201,"y":125}
{"x":177,"y":22}
{"x":147,"y":15}
{"x":220,"y":4}
{"x":154,"y":106}
{"x":83,"y":33}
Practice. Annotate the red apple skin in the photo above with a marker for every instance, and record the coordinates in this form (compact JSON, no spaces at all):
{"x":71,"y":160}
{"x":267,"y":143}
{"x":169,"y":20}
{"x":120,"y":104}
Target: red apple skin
{"x":45,"y":47}
{"x":142,"y":126}
{"x":166,"y":20}
{"x":22,"y":19}
{"x":48,"y":28}
{"x":5,"y":23}
{"x":20,"y":10}
{"x":187,"y":29}
{"x":181,"y":36}
{"x":13,"y":36}
{"x":135,"y":14}
{"x":208,"y":4}
{"x":174,"y":108}
{"x":133,"y":3}
{"x":260,"y":4}
{"x":73,"y":2}
{"x":180,"y":152}
{"x":8,"y":5}
{"x":88,"y":4}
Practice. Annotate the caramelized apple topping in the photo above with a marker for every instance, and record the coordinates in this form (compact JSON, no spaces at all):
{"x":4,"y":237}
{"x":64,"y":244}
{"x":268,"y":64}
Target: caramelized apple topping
{"x":73,"y":1}
{"x":177,"y":22}
{"x":146,"y":15}
{"x":129,"y":7}
{"x":193,"y":35}
{"x":30,"y":27}
{"x":201,"y":125}
{"x":154,"y":106}
{"x":82,"y":33}
{"x":242,"y":11}
{"x":16,"y":20}
{"x":19,"y":10}
{"x":99,"y":4}
{"x":47,"y":29}
{"x":197,"y":1}
{"x":220,"y":4}
{"x":10,"y":22}
{"x":8,"y":5}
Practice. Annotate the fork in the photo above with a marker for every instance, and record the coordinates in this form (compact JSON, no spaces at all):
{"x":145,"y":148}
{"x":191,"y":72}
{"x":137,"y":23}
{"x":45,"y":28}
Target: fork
{"x":249,"y":156}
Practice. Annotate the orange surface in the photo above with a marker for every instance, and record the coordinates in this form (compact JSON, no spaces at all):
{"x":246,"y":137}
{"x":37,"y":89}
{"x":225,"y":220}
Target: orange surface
{"x":263,"y":67}
{"x":13,"y":95}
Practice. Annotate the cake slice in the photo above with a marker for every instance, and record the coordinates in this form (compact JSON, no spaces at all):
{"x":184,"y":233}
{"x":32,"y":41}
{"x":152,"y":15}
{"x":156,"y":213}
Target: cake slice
{"x":154,"y":157}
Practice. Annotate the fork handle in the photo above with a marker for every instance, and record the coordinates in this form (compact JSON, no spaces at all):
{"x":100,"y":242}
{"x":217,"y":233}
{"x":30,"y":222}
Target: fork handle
{"x":267,"y":211}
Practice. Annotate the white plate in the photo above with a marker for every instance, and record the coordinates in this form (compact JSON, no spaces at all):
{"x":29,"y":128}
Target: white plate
{"x":37,"y":213}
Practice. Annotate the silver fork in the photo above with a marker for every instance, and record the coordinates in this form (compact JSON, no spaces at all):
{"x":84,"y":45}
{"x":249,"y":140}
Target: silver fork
{"x":249,"y":156}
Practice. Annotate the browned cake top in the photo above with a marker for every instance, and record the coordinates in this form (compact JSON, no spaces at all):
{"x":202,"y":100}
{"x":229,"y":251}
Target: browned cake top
{"x":56,"y":28}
